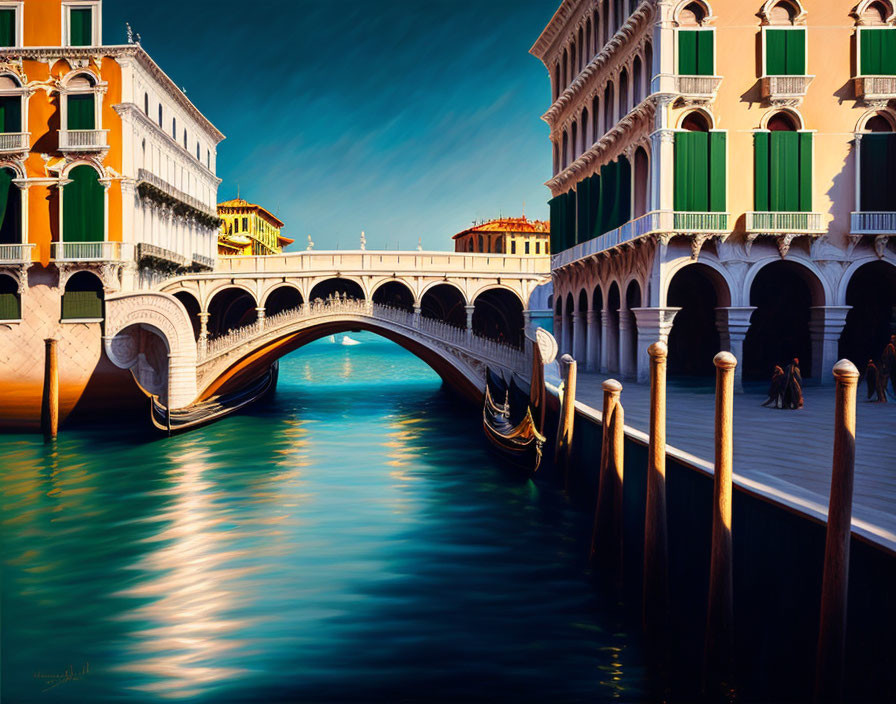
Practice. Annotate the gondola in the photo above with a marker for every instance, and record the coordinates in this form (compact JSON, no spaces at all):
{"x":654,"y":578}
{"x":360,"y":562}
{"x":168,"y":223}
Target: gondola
{"x":521,"y":441}
{"x":180,"y":420}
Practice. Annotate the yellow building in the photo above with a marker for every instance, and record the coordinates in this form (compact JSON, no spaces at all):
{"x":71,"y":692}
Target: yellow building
{"x":249,"y":230}
{"x":506,"y":236}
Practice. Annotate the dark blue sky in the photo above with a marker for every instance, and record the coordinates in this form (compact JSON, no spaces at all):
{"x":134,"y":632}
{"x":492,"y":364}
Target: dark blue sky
{"x":404,"y":119}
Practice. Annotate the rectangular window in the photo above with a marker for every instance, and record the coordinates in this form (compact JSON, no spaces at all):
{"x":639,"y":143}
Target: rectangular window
{"x":785,"y":52}
{"x":10,"y":114}
{"x":7,"y":27}
{"x":878,"y":172}
{"x":10,"y":307}
{"x":513,"y":247}
{"x":527,"y":248}
{"x":538,"y":247}
{"x":700,"y":172}
{"x":783,"y":171}
{"x":877,"y":50}
{"x":695,"y":52}
{"x":80,"y":26}
{"x":81,"y":115}
{"x":78,"y":305}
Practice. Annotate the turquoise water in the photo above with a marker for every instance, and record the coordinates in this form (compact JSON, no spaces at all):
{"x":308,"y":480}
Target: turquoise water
{"x":352,"y":539}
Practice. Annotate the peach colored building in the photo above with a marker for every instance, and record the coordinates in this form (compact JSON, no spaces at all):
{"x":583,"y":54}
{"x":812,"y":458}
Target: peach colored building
{"x":724,"y":178}
{"x":506,"y":236}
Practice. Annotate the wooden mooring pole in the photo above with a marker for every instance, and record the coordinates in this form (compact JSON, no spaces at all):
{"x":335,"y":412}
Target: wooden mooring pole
{"x":655,"y":609}
{"x":718,"y":657}
{"x":832,"y":624}
{"x":606,"y":537}
{"x":567,"y":417}
{"x":50,"y":405}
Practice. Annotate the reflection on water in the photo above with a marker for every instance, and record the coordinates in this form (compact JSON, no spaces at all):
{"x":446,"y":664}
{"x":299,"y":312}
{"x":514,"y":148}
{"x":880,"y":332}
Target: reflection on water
{"x":350,"y":540}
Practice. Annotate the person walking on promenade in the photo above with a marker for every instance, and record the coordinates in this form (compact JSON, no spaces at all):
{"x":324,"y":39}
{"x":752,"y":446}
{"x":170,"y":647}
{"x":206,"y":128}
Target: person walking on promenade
{"x":776,"y":390}
{"x":882,"y":378}
{"x":874,"y":378}
{"x":888,"y":360}
{"x":793,"y":385}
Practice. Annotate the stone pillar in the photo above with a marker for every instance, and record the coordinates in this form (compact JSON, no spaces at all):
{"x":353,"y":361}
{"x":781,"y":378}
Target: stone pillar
{"x":203,"y":331}
{"x":558,"y":329}
{"x":733,"y":324}
{"x":578,"y":337}
{"x":654,"y":325}
{"x":662,"y":195}
{"x":592,"y":343}
{"x":418,"y":312}
{"x":470,"y":310}
{"x":259,"y":312}
{"x":825,"y":325}
{"x":627,"y":368}
{"x":606,"y":342}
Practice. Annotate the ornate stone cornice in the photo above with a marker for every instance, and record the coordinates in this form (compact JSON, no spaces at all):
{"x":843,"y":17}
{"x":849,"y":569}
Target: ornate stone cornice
{"x":119,"y":52}
{"x":549,"y":36}
{"x":634,"y":24}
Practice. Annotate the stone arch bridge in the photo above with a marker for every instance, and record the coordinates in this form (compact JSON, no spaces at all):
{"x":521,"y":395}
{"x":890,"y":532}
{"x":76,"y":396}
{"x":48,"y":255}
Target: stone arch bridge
{"x":219,"y":330}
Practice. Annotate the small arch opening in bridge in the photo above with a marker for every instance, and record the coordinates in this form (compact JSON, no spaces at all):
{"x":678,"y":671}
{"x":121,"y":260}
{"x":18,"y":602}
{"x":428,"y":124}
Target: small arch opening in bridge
{"x":83,"y":298}
{"x":694,"y":340}
{"x":283,"y":298}
{"x":498,"y":314}
{"x":394,"y":294}
{"x":444,"y":302}
{"x":144,"y":351}
{"x":342,"y":288}
{"x":229,"y":309}
{"x":872,"y":320}
{"x":783,"y":293}
{"x":193,"y":310}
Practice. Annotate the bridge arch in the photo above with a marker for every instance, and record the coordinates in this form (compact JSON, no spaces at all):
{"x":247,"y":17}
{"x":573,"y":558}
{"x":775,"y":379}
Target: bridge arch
{"x":279,"y":287}
{"x":444,"y":301}
{"x":395,"y":293}
{"x":191,"y":304}
{"x":231,"y":307}
{"x":282,"y":297}
{"x":331,"y":286}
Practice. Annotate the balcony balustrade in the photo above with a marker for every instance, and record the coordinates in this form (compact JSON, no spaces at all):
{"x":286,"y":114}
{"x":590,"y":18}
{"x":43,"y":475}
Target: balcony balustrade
{"x":784,"y":223}
{"x":87,"y":251}
{"x":698,"y":88}
{"x":16,"y":253}
{"x":13,"y":142}
{"x":869,"y":223}
{"x":83,"y":140}
{"x":785,"y":90}
{"x":875,"y":89}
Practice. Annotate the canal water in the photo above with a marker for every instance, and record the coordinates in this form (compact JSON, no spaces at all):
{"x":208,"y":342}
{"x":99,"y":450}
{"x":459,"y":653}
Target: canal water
{"x":350,"y":540}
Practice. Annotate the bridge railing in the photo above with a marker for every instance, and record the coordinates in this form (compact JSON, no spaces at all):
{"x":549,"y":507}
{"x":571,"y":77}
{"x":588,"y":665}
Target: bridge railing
{"x":497,"y":352}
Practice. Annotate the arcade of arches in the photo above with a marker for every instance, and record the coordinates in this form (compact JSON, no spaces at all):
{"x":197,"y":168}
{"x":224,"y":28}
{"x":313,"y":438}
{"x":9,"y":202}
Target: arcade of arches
{"x":788,"y":315}
{"x":496,"y":313}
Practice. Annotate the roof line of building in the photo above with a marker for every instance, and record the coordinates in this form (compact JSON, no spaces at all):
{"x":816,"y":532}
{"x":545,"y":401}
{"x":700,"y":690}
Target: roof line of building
{"x":548,"y":35}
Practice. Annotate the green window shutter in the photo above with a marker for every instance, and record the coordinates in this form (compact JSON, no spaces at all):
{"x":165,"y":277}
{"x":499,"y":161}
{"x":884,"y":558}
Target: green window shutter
{"x":870,"y":48}
{"x":7,"y":27}
{"x":81,"y":27}
{"x":83,"y":207}
{"x":687,"y":52}
{"x":10,"y":114}
{"x":784,"y":172}
{"x":691,"y":172}
{"x":705,"y":53}
{"x":776,"y":52}
{"x":611,"y":196}
{"x":571,"y":203}
{"x":10,"y":306}
{"x":554,"y":207}
{"x":683,"y":161}
{"x":761,"y":171}
{"x":878,"y":173}
{"x":887,"y":51}
{"x":718,"y":172}
{"x":594,"y":203}
{"x":597,"y":204}
{"x":581,"y":205}
{"x":805,"y":173}
{"x":796,"y":52}
{"x":81,"y":113}
{"x":82,"y":304}
{"x":625,"y":191}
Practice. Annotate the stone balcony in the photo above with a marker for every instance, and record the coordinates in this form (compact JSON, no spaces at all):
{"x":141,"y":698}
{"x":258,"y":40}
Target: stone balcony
{"x":83,"y":140}
{"x":87,"y":251}
{"x":16,"y":253}
{"x":876,"y":91}
{"x":15,"y":142}
{"x":661,"y":224}
{"x":785,"y":226}
{"x":785,"y":90}
{"x":697,"y":89}
{"x":879,"y":225}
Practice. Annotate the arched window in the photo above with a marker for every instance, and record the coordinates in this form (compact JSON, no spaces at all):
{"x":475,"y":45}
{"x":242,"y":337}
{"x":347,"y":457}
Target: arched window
{"x":691,"y":15}
{"x":185,"y":139}
{"x":609,"y":102}
{"x":10,"y":300}
{"x":11,"y":98}
{"x":588,"y":40}
{"x":208,"y":159}
{"x":700,"y":166}
{"x":197,"y":151}
{"x":623,"y":93}
{"x":605,"y":21}
{"x":146,"y":104}
{"x":637,"y":80}
{"x":585,"y":122}
{"x":10,"y":209}
{"x":565,"y":155}
{"x":575,"y":141}
{"x":783,"y":166}
{"x":785,"y":44}
{"x":80,"y":103}
{"x":648,"y":65}
{"x":581,"y":49}
{"x":641,"y":177}
{"x":619,"y":13}
{"x":696,"y":43}
{"x":572,"y":62}
{"x":876,"y":41}
{"x":565,"y":66}
{"x":877,"y":165}
{"x":595,"y":119}
{"x":481,"y":244}
{"x":556,"y":159}
{"x":161,"y":115}
{"x":83,"y":207}
{"x":174,"y":127}
{"x":557,"y":87}
{"x":83,"y":298}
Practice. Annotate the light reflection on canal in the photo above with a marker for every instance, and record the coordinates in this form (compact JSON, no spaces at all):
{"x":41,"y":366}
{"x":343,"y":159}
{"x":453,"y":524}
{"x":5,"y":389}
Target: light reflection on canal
{"x":351,"y":540}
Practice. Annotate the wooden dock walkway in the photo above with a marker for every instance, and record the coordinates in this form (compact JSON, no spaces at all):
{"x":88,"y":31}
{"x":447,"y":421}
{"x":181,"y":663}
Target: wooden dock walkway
{"x":786,"y":455}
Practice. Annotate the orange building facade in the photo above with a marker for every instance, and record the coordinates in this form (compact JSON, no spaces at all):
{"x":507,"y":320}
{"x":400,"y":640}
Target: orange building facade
{"x":506,"y":236}
{"x":107,"y":183}
{"x":724,"y":177}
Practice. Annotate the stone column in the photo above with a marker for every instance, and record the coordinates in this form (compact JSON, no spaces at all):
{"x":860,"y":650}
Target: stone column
{"x":654,"y":325}
{"x":733,"y":324}
{"x":825,"y":325}
{"x":626,"y":368}
{"x":578,"y":337}
{"x":592,"y":355}
{"x":606,"y":342}
{"x":470,"y":310}
{"x":203,"y":331}
{"x":259,"y":312}
{"x":558,"y":329}
{"x":418,"y":311}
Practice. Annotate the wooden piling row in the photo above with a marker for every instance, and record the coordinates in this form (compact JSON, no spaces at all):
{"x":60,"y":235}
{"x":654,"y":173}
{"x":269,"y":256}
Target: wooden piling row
{"x":568,"y":369}
{"x":606,"y":537}
{"x":50,"y":403}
